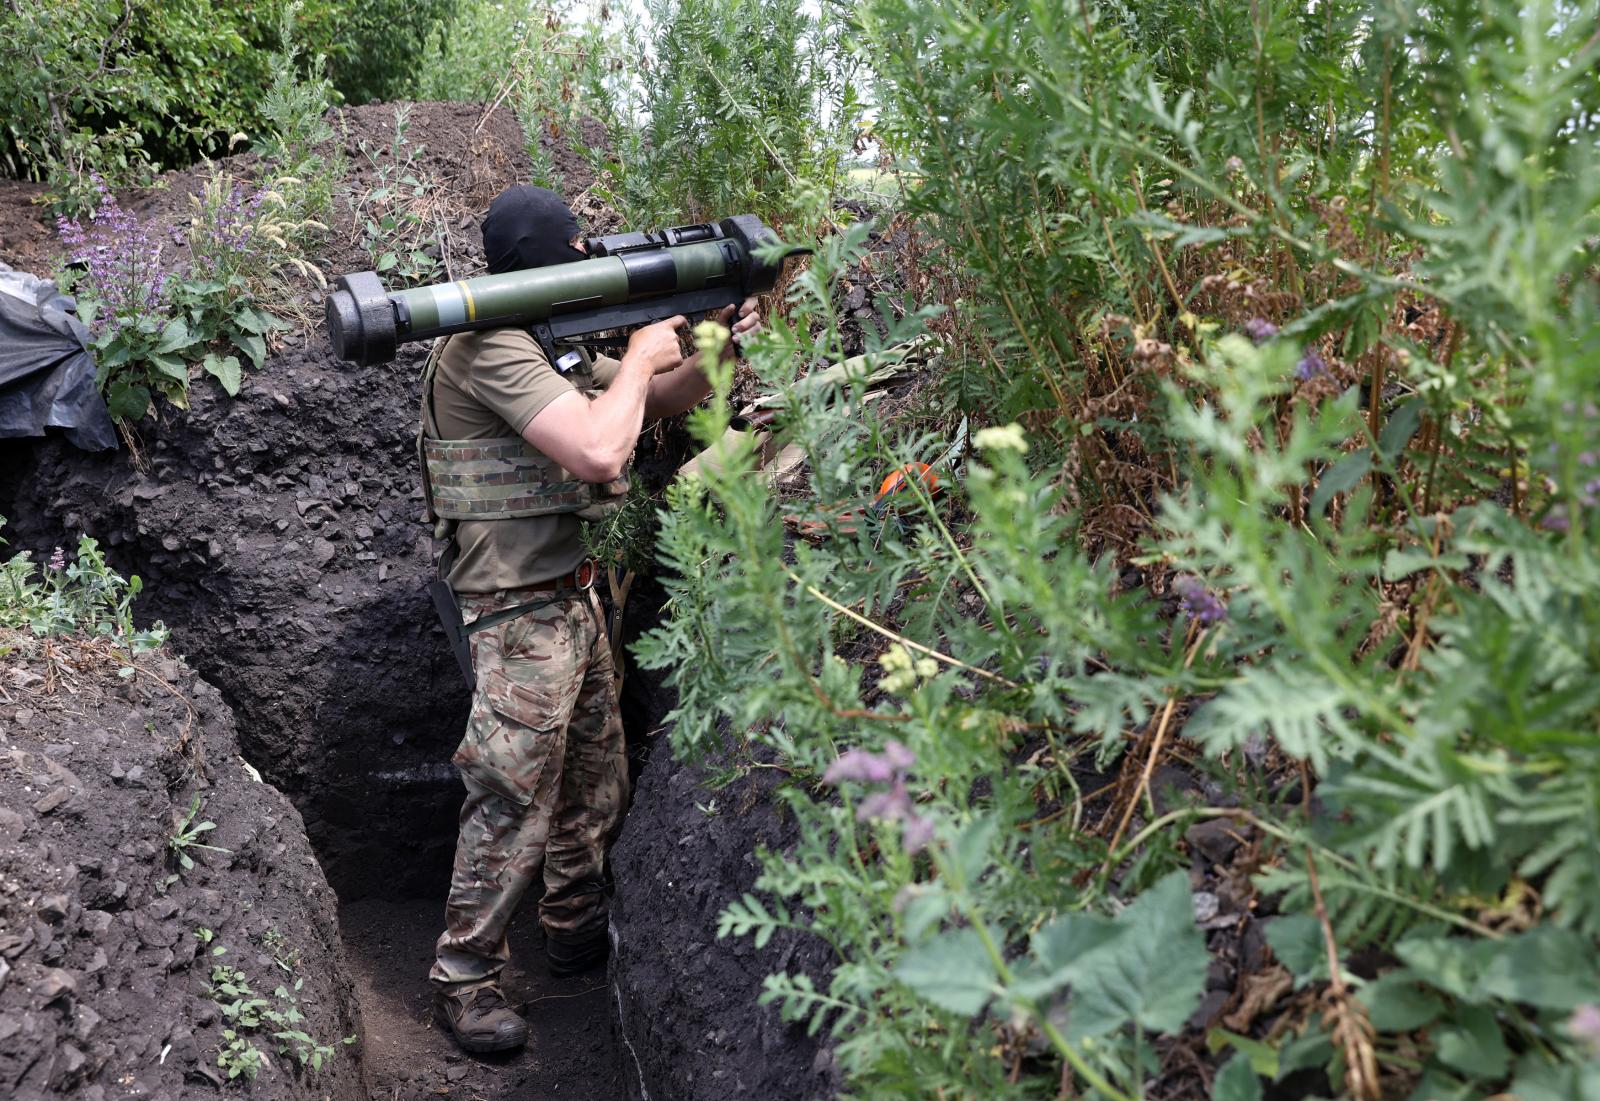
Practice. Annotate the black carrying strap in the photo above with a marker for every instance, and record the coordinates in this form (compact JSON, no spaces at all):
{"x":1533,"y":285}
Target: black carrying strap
{"x":459,"y":634}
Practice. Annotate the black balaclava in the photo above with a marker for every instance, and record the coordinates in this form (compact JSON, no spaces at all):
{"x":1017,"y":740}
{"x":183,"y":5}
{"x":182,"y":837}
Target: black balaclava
{"x":528,"y":227}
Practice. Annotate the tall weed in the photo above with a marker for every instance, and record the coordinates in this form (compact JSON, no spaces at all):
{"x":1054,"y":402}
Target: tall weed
{"x":1287,"y":341}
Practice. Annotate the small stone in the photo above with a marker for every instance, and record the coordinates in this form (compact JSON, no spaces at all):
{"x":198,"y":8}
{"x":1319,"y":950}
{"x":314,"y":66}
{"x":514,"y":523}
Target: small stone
{"x":12,"y":826}
{"x":1216,"y":840}
{"x":1205,"y":906}
{"x":56,"y":984}
{"x":84,"y":1022}
{"x":53,"y":908}
{"x":456,"y":1073}
{"x":322,"y":552}
{"x":52,"y":800}
{"x":72,"y":1059}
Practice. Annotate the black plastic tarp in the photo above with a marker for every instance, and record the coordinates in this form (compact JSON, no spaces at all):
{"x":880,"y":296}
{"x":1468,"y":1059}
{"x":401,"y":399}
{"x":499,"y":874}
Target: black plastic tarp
{"x":46,"y":368}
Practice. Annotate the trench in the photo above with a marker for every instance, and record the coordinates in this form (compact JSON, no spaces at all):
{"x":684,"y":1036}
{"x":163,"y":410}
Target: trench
{"x":347,"y":700}
{"x":575,"y":1046}
{"x":275,"y":533}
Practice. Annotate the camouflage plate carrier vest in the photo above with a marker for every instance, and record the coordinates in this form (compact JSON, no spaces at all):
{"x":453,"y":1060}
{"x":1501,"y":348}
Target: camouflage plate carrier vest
{"x":502,"y":478}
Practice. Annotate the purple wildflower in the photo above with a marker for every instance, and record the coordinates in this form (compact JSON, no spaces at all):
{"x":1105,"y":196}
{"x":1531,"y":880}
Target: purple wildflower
{"x":121,"y":261}
{"x":1199,"y":602}
{"x":58,"y":560}
{"x":1584,"y":1026}
{"x":860,"y":765}
{"x":1589,"y":495}
{"x":916,"y":833}
{"x":1311,"y":366}
{"x":1557,"y":520}
{"x":1260,"y":330}
{"x":892,"y":803}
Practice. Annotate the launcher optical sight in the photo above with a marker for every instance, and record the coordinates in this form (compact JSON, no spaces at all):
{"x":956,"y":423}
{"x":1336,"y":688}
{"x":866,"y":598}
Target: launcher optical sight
{"x":630,"y":279}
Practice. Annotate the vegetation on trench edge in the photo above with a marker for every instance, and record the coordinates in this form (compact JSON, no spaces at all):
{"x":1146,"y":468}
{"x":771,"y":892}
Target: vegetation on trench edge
{"x":1289,"y":311}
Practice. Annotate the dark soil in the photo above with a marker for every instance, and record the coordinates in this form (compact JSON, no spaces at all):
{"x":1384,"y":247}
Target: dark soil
{"x":687,"y":1000}
{"x":277,"y":533}
{"x":106,"y":942}
{"x":571,"y":1051}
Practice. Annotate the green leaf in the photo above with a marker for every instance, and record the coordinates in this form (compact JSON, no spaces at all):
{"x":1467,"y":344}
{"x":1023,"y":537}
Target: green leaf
{"x":925,"y":910}
{"x":1297,"y":942}
{"x":970,"y":849}
{"x":1401,"y":426}
{"x":1236,"y":1081}
{"x":1472,"y":1043}
{"x":1396,"y":1002}
{"x":1343,"y":476}
{"x":1547,"y":967}
{"x":128,"y":401}
{"x":253,"y":346}
{"x":175,"y":336}
{"x":1301,"y":709}
{"x":1364,"y":329}
{"x":1059,"y":948}
{"x":1405,"y":561}
{"x":170,"y":366}
{"x":247,"y":320}
{"x":1153,"y":971}
{"x":1311,"y":1048}
{"x":953,"y":971}
{"x":226,"y":370}
{"x":1263,"y":1056}
{"x":387,"y":261}
{"x":1453,"y":964}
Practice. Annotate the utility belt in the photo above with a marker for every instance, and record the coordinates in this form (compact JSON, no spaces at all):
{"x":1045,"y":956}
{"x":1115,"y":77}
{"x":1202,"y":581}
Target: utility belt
{"x":459,"y":634}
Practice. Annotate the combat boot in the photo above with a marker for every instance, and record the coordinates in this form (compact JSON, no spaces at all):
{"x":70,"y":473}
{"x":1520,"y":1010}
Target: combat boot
{"x":574,"y":957}
{"x":481,"y":1020}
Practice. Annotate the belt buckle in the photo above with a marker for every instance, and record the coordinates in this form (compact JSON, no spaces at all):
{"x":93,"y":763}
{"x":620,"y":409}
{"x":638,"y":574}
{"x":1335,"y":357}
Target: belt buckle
{"x":586,"y":574}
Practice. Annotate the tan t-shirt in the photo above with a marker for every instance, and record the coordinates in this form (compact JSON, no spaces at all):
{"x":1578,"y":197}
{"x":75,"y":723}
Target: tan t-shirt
{"x":490,"y":384}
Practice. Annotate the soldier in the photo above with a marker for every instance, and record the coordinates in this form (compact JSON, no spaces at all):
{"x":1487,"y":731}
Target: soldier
{"x":534,"y":448}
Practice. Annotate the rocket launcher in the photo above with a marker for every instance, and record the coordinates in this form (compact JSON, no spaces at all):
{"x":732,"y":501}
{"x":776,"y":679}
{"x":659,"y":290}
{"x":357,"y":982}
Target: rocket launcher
{"x":630,"y":279}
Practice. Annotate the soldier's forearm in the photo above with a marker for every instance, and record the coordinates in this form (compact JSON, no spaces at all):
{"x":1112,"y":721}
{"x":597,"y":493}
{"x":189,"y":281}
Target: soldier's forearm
{"x":682,"y":388}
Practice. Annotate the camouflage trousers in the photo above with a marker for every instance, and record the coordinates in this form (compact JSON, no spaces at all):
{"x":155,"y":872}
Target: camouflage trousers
{"x":546,"y":773}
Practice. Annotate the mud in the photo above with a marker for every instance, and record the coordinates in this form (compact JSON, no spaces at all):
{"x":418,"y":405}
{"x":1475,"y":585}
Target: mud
{"x":107,"y":943}
{"x":571,"y":1051}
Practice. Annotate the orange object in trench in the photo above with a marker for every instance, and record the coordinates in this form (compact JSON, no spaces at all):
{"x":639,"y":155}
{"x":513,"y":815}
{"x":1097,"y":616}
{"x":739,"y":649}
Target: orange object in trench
{"x":898,"y":482}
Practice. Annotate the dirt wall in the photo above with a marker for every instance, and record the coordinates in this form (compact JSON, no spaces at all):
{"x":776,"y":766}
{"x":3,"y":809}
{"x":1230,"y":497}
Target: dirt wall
{"x":278,"y":534}
{"x":686,"y":1001}
{"x":107,"y":943}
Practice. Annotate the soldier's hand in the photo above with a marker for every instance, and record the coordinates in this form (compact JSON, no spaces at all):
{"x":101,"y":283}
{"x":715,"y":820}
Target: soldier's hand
{"x":749,"y":320}
{"x":657,"y":345}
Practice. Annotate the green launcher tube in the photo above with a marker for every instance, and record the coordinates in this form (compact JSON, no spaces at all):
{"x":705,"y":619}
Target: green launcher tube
{"x":631,"y":279}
